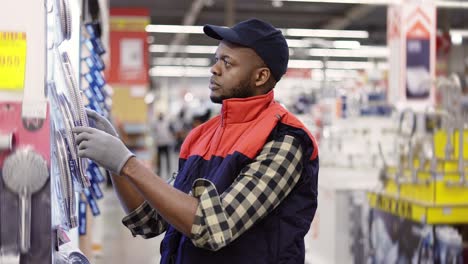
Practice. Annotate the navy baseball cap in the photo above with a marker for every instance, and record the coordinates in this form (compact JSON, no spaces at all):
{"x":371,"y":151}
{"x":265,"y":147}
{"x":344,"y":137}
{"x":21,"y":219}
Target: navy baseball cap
{"x":267,"y":41}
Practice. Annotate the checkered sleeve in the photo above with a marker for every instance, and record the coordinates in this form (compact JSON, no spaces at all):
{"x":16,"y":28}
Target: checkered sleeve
{"x":259,"y":188}
{"x":145,"y":221}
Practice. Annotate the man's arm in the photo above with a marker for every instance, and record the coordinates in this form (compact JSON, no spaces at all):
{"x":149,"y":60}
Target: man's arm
{"x":259,"y":188}
{"x":148,"y":197}
{"x":176,"y":207}
{"x":200,"y":216}
{"x":129,"y":197}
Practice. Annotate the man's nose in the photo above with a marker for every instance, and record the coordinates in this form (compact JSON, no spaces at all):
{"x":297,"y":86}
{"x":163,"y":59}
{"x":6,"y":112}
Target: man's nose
{"x":215,"y":70}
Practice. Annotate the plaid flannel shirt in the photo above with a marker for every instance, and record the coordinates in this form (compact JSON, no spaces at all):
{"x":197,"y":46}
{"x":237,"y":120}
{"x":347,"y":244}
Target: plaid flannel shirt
{"x":221,"y":218}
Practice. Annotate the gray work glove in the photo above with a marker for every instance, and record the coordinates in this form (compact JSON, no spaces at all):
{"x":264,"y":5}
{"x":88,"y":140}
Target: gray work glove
{"x":106,"y":150}
{"x":98,"y":121}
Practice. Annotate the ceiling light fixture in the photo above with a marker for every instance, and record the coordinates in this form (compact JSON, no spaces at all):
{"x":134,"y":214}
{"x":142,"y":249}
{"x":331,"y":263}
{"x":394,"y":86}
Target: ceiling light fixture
{"x":362,"y":52}
{"x":439,"y":3}
{"x":457,"y":39}
{"x":197,"y":49}
{"x":461,"y":32}
{"x":375,"y":52}
{"x":174,"y":29}
{"x":346,"y":44}
{"x":367,"y":2}
{"x":296,"y":32}
{"x":182,"y":61}
{"x":325,"y":33}
{"x":298,"y":43}
{"x":277,"y":3}
{"x":179,"y":71}
{"x":332,"y":66}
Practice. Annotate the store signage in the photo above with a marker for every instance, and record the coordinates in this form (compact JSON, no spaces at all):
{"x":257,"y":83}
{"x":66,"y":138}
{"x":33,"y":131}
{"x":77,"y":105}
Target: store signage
{"x":128,"y":47}
{"x":12,"y":60}
{"x":412,"y":43}
{"x":396,"y":207}
{"x":418,"y":43}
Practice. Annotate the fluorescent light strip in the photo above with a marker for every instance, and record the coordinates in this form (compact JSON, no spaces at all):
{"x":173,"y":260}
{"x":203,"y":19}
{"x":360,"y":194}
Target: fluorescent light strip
{"x":363,"y":52}
{"x":451,"y":4}
{"x":456,"y":39}
{"x":325,"y":33}
{"x":440,"y":3}
{"x":182,"y":61}
{"x":343,"y":65}
{"x":184,"y":49}
{"x":367,"y":2}
{"x":335,"y":68}
{"x":296,"y":32}
{"x":346,"y":44}
{"x":298,"y":43}
{"x":292,"y":43}
{"x":174,"y":29}
{"x":357,"y":53}
{"x":179,"y":71}
{"x":461,"y":32}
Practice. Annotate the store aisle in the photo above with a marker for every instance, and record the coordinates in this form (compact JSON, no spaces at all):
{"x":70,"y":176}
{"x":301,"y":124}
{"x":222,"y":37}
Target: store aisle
{"x":118,"y":245}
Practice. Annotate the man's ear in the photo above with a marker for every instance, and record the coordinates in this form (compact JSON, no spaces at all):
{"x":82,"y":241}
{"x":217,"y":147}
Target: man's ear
{"x":262,"y":75}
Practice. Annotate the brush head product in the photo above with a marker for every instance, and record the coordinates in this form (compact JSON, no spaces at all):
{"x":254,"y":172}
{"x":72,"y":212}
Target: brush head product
{"x":25,"y":172}
{"x":76,"y":257}
{"x":65,"y":18}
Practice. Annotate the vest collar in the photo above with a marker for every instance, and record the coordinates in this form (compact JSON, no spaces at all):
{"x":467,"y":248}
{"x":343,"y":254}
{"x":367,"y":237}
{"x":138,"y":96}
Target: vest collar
{"x":239,"y":110}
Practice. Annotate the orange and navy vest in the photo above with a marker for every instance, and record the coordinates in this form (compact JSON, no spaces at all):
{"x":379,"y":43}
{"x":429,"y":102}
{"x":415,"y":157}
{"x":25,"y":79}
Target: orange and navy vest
{"x":217,"y":151}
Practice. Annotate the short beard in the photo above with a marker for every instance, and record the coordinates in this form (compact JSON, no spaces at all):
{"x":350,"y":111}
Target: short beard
{"x":242,"y":90}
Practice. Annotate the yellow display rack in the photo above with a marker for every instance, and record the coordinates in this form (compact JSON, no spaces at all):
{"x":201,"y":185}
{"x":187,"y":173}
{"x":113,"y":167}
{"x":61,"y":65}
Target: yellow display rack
{"x":444,"y":189}
{"x":419,"y":211}
{"x":430,"y":193}
{"x":440,"y":140}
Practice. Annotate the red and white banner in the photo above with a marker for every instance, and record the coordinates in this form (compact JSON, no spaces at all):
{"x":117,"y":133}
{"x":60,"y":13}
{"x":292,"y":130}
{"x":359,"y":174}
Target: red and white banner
{"x":128,"y":46}
{"x":411,"y":29}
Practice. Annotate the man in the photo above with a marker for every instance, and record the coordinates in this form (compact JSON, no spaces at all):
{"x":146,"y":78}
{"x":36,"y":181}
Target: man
{"x":246,"y":190}
{"x":164,"y":141}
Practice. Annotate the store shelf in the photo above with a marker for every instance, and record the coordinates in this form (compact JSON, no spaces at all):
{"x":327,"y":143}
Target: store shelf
{"x":419,"y":211}
{"x":444,"y":188}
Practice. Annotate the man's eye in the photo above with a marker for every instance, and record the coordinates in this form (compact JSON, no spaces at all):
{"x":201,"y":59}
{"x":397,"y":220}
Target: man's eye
{"x":227,"y":63}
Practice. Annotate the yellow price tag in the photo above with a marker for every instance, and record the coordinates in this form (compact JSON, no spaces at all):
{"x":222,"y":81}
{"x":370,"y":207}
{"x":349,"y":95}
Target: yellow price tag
{"x":12,"y":60}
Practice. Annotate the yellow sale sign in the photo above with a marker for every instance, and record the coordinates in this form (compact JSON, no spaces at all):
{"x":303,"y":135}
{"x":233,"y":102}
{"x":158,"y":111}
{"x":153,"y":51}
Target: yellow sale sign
{"x":12,"y":60}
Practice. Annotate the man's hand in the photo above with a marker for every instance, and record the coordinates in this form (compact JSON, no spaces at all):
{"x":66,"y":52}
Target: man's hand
{"x":106,"y":150}
{"x":100,"y":122}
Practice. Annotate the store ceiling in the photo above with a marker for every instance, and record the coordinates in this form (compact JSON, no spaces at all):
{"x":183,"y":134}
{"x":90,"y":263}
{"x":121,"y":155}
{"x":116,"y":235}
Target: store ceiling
{"x":371,"y":18}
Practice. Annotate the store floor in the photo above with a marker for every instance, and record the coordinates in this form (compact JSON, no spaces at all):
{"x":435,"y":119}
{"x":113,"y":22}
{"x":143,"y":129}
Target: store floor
{"x":113,"y":242}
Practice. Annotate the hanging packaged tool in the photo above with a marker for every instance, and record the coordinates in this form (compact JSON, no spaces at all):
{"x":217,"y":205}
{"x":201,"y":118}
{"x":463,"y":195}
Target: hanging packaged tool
{"x":65,"y":120}
{"x":63,"y":21}
{"x":64,"y":182}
